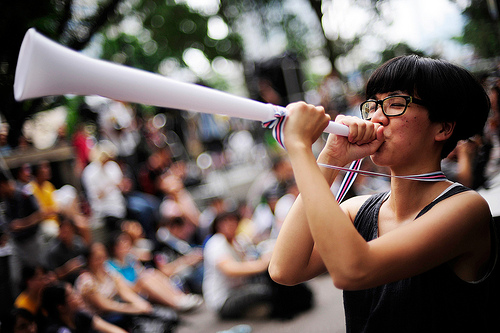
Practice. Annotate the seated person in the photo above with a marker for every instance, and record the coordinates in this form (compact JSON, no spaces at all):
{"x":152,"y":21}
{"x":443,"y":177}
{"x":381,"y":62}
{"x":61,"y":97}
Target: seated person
{"x":227,"y":286}
{"x":66,"y":255}
{"x":107,"y":294}
{"x":235,"y":285}
{"x":176,"y":258}
{"x":146,"y":281}
{"x":33,"y":280}
{"x":66,"y":312}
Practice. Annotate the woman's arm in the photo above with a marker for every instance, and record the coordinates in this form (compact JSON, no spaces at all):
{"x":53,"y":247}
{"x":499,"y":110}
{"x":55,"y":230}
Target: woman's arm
{"x":233,"y":268}
{"x":108,"y":305}
{"x":130,"y":296}
{"x":442,"y":234}
{"x":295,"y":257}
{"x":179,"y":264}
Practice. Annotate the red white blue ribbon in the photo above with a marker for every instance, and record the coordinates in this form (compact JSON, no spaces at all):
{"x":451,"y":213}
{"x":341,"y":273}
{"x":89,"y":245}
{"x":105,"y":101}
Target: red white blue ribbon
{"x":349,"y":178}
{"x":436,"y":176}
{"x":277,"y":124}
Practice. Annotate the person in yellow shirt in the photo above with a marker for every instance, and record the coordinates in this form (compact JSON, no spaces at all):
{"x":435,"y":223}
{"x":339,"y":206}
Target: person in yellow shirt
{"x":34,"y":279}
{"x":43,"y":190}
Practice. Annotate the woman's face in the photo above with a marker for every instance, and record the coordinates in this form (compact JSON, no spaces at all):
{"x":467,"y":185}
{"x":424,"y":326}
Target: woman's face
{"x":122,"y":246}
{"x":228,"y":227}
{"x":407,"y":137}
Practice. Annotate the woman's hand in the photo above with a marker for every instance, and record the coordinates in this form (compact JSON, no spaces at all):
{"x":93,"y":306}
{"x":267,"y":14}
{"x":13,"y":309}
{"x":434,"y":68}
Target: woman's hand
{"x":304,"y":124}
{"x":143,"y":307}
{"x":365,"y":137}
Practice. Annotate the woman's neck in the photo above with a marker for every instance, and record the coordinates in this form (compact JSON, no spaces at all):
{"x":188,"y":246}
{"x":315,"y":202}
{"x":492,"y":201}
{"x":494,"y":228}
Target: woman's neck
{"x":98,"y":272}
{"x":120,"y":259}
{"x":408,"y":197}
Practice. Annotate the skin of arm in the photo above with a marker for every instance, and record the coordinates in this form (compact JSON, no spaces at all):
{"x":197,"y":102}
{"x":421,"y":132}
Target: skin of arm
{"x":68,"y":267}
{"x":127,"y":294}
{"x":133,"y":304}
{"x":180,"y":263}
{"x":441,"y":235}
{"x":108,"y":305}
{"x":26,"y":222}
{"x":233,"y":268}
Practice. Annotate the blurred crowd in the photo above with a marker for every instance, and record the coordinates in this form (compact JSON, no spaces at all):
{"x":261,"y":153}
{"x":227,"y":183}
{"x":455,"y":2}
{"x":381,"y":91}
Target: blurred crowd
{"x":130,"y":248}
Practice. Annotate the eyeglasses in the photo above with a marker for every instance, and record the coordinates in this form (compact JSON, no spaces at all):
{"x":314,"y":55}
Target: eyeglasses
{"x":392,"y":106}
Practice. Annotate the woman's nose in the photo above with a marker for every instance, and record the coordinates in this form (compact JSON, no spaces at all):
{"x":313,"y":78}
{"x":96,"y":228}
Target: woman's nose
{"x":379,"y":116}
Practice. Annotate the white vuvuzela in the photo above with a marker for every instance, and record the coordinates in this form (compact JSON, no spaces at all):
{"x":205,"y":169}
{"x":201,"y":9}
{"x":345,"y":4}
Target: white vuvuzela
{"x":46,"y":68}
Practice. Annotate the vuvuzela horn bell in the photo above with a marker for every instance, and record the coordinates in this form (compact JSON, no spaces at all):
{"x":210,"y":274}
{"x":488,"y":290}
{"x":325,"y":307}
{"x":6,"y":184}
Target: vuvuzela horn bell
{"x":46,"y":68}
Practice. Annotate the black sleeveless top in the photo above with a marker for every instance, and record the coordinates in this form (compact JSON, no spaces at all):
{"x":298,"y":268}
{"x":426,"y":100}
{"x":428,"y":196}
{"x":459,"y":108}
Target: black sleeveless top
{"x":434,"y":301}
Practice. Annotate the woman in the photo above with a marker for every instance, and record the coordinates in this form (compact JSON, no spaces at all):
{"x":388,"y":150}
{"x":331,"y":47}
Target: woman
{"x":228,"y":287}
{"x":420,"y":258}
{"x":149,"y":282}
{"x":106,"y":294}
{"x":236,"y":284}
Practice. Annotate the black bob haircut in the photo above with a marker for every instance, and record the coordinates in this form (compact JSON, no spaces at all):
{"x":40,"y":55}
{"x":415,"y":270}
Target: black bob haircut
{"x":451,"y":93}
{"x":52,"y":296}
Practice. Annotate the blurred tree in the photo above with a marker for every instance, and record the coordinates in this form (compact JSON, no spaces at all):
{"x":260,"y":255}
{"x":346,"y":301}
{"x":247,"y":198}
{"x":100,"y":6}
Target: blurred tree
{"x":483,"y":27}
{"x":65,"y":21}
{"x":164,"y":30}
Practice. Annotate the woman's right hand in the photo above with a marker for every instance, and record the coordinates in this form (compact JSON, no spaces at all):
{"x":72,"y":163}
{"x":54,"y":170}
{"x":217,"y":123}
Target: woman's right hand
{"x":365,"y":137}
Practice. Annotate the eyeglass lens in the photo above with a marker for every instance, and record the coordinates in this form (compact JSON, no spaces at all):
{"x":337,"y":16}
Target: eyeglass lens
{"x":391,"y":106}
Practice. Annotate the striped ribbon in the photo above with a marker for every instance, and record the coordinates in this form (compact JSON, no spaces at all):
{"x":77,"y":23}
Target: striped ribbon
{"x":277,"y":125}
{"x":436,"y":176}
{"x":349,"y":178}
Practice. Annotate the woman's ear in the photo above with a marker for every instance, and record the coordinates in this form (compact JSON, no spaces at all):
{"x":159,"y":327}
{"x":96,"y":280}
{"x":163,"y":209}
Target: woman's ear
{"x":445,"y":131}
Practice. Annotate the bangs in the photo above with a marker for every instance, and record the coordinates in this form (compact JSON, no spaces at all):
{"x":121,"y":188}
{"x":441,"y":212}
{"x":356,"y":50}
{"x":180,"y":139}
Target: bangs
{"x":398,"y":74}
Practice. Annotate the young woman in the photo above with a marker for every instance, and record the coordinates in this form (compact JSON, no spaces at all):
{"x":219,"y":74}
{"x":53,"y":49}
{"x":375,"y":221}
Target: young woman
{"x":107,"y":294}
{"x":149,"y":282}
{"x":229,"y":287}
{"x":420,"y":258}
{"x":236,"y":284}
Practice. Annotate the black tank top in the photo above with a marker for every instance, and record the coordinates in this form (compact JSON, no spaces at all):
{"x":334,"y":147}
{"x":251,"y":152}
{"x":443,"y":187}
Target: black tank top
{"x":434,"y":301}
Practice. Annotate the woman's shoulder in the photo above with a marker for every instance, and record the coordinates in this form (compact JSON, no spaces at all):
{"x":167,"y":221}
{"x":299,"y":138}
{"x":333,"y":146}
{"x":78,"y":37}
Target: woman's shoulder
{"x":461,"y":198}
{"x":352,"y":205}
{"x":216,"y":239}
{"x":85,"y":282}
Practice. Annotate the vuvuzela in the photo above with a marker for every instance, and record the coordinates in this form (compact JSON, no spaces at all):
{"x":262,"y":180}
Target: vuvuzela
{"x":46,"y":68}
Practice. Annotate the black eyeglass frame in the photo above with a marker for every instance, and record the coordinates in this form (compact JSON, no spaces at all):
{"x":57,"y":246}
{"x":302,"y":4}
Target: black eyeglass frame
{"x":408,"y":100}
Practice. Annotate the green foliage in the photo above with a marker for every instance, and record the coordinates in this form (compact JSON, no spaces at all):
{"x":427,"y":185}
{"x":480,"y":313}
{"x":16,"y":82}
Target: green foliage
{"x":168,"y":30}
{"x":481,"y":31}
